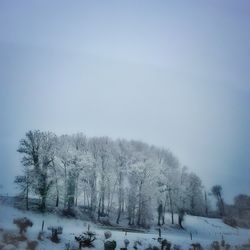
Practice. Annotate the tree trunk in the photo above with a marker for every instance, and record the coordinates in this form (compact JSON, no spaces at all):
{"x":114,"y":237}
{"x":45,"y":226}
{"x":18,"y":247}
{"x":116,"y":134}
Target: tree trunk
{"x":43,"y":203}
{"x":93,"y":195}
{"x":102,"y":187}
{"x":164,"y":209}
{"x":57,"y":188}
{"x":99,"y":209}
{"x":171,"y":205}
{"x":102,"y":201}
{"x":76,"y":190}
{"x":57,"y":199}
{"x":65,"y":185}
{"x":139,"y":207}
{"x":119,"y":198}
{"x":206,"y":206}
{"x":222,"y":205}
{"x":27,"y":196}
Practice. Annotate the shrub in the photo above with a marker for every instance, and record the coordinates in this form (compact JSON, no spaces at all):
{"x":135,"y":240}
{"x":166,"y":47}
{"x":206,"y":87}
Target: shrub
{"x":9,"y":247}
{"x":126,"y":243}
{"x":41,"y":235}
{"x":222,"y":242}
{"x":107,"y":234}
{"x":69,"y":213}
{"x":230,"y":221}
{"x":152,"y":248}
{"x":54,"y":233}
{"x":31,"y":245}
{"x":166,"y":244}
{"x":215,"y":245}
{"x":196,"y":246}
{"x":10,"y":238}
{"x":23,"y":224}
{"x":177,"y":247}
{"x":110,"y":245}
{"x":86,"y":239}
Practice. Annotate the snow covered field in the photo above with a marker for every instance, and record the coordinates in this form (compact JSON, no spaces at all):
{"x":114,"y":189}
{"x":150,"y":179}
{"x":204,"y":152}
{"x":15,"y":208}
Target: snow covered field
{"x":204,"y":231}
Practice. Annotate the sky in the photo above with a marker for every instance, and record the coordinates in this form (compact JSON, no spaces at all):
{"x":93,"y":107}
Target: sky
{"x":174,"y":74}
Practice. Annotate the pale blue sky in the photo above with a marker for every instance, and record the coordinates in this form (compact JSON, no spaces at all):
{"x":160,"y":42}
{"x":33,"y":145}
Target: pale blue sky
{"x":170,"y":73}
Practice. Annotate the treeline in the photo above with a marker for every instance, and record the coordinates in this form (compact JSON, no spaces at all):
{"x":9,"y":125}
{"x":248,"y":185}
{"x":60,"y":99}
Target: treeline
{"x":118,"y":177}
{"x":238,"y":213}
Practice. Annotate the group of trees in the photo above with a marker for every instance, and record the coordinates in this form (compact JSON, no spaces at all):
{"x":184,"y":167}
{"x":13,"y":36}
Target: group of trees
{"x":118,"y":177}
{"x":236,"y":214}
{"x":242,"y":205}
{"x":240,"y":210}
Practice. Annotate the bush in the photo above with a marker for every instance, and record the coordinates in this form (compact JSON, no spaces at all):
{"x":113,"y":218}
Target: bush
{"x":31,"y":245}
{"x":9,"y":247}
{"x":166,"y":244}
{"x":136,"y":243}
{"x":71,"y":213}
{"x":126,"y":243}
{"x":10,"y":238}
{"x":110,"y":245}
{"x":152,"y":247}
{"x":14,"y":239}
{"x":215,"y":245}
{"x":196,"y":246}
{"x":230,"y":221}
{"x":86,"y":239}
{"x":177,"y":247}
{"x":23,"y":224}
{"x":55,"y":231}
{"x":107,"y":234}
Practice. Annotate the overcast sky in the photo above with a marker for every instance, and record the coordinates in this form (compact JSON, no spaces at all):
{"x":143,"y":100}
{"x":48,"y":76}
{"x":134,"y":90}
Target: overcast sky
{"x":171,"y":73}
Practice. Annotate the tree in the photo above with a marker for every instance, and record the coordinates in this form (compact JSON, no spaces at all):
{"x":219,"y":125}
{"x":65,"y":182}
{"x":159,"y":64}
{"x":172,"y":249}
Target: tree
{"x":168,"y":177}
{"x":242,"y":203}
{"x":142,"y":171}
{"x":44,"y":177}
{"x":101,"y":149}
{"x":122,"y":155}
{"x":194,"y":193}
{"x":217,"y":192}
{"x":29,"y":147}
{"x":38,"y":153}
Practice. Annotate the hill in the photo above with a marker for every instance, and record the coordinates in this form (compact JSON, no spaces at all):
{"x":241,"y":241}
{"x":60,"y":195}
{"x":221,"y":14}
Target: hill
{"x":203,"y":230}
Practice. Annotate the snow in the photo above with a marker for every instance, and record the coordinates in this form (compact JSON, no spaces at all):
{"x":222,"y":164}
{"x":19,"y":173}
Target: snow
{"x":203,"y":230}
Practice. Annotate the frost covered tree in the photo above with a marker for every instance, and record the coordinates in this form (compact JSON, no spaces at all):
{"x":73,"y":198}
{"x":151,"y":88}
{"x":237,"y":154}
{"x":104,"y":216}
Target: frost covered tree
{"x":43,"y":178}
{"x":101,"y":149}
{"x":168,"y":182}
{"x":194,"y":193}
{"x":74,"y":160}
{"x":29,"y":147}
{"x":142,"y":173}
{"x":37,"y":149}
{"x":122,"y":156}
{"x":108,"y":178}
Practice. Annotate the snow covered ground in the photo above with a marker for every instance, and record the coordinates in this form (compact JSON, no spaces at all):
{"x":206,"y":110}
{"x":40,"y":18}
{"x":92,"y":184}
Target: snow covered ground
{"x":203,"y":230}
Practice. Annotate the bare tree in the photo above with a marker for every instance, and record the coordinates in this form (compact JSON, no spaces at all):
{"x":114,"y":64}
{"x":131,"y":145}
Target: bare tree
{"x":217,"y":192}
